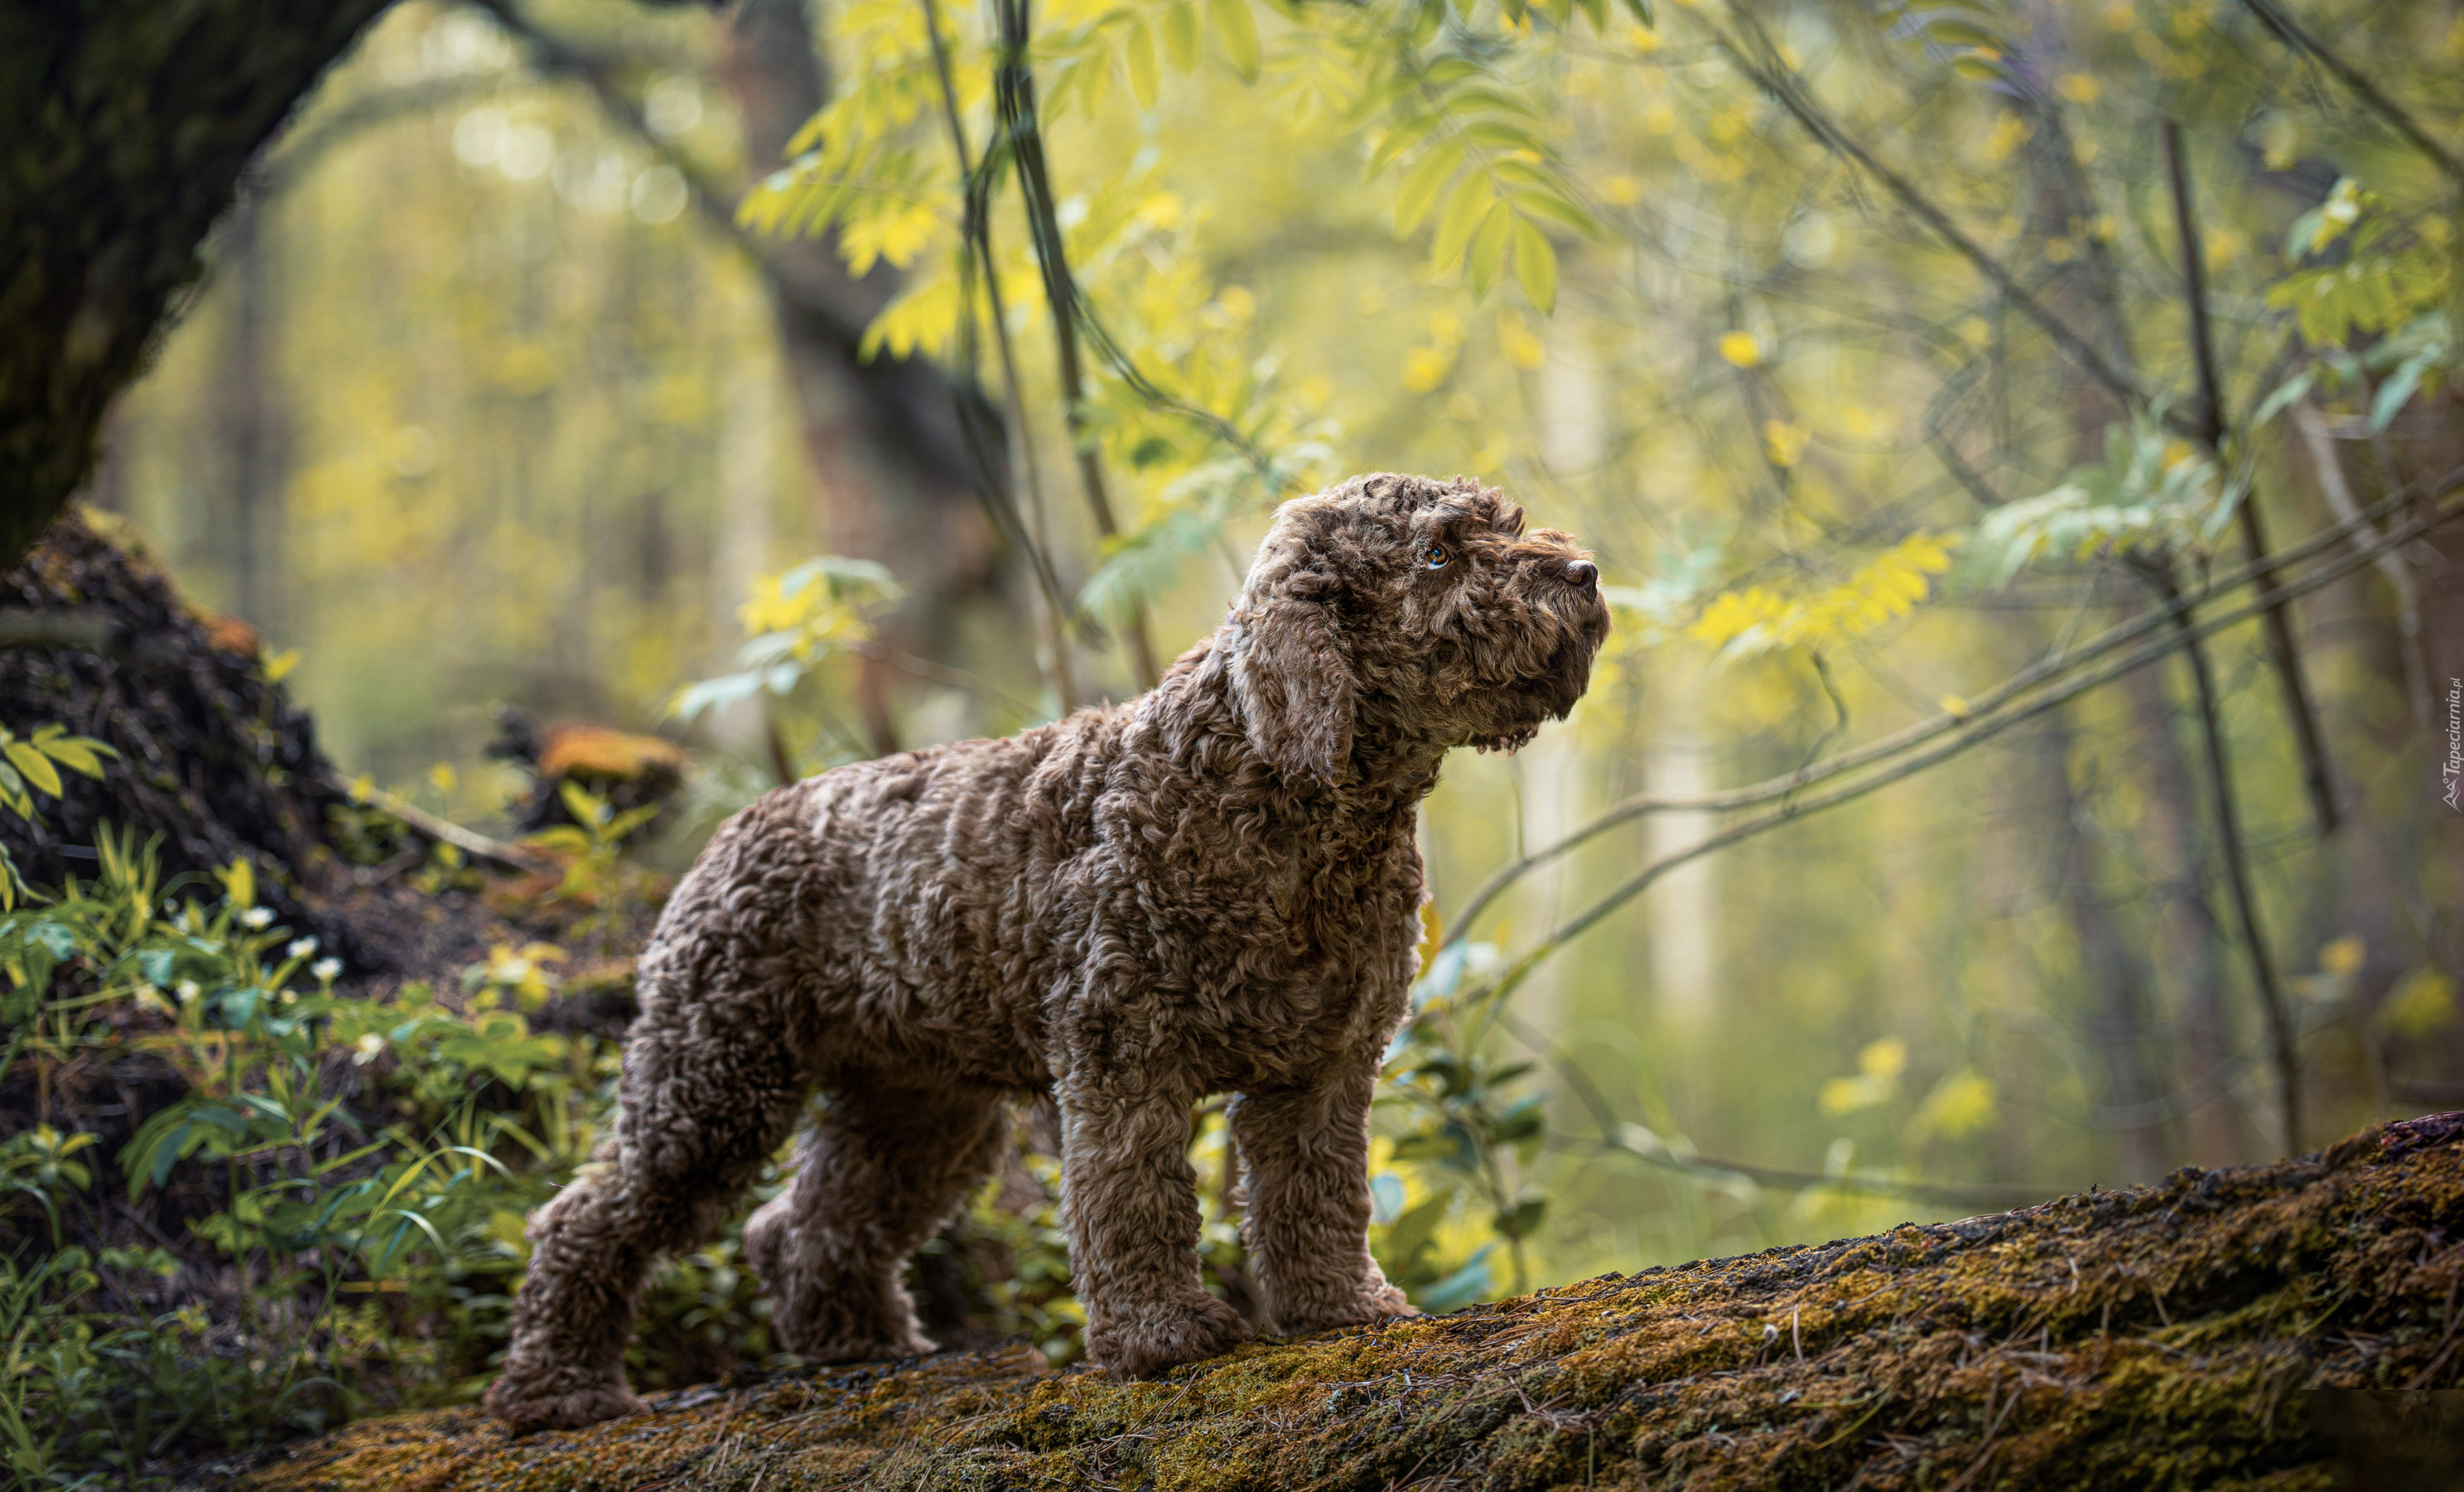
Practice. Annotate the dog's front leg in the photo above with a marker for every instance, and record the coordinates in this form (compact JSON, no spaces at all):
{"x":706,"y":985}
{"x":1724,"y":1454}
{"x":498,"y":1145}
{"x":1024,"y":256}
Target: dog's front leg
{"x":1305,"y":1154}
{"x":1131,"y":1204}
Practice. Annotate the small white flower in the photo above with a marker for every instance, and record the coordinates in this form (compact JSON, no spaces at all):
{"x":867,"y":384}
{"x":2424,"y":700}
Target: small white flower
{"x":370,"y":1047}
{"x":189,"y":991}
{"x":290,"y":997}
{"x":327,"y":969}
{"x":257,"y":917}
{"x":300,"y":947}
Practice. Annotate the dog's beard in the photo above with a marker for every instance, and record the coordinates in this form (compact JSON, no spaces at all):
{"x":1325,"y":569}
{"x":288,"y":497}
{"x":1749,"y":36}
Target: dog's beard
{"x":1551,"y":674}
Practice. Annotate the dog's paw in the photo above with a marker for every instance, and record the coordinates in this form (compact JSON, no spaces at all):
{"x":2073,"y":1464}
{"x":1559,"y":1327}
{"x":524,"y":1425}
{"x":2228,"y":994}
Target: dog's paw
{"x":1144,"y":1340}
{"x":1382,"y":1303}
{"x":1366,"y":1305}
{"x":555,"y":1408}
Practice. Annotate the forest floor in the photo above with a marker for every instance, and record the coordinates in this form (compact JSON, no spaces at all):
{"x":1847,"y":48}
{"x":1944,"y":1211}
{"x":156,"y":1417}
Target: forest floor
{"x":2252,"y":1327}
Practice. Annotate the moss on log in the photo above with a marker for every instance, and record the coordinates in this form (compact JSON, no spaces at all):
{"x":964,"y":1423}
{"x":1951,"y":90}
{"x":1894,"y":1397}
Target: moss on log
{"x":2161,"y":1337}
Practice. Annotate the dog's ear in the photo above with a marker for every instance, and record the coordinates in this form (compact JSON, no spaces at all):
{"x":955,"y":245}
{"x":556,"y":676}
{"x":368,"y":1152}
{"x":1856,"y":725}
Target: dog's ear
{"x":1289,"y":671}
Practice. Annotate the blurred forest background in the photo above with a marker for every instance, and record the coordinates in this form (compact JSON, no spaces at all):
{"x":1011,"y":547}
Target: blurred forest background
{"x":1927,"y":381}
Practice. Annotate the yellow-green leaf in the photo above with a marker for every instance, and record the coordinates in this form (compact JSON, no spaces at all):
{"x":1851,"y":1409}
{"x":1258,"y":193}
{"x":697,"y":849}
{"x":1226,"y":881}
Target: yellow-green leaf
{"x":1181,"y":36}
{"x":1422,"y":185}
{"x":1488,"y":248}
{"x":1466,"y":207}
{"x":1239,"y":32}
{"x":1398,"y":138}
{"x":1535,"y":265}
{"x":78,"y":753}
{"x":1145,"y":79}
{"x":36,"y":766}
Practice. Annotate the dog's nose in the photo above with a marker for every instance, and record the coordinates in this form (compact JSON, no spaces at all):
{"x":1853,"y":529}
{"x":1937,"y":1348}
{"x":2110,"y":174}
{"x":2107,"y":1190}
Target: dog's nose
{"x":1582,"y":574}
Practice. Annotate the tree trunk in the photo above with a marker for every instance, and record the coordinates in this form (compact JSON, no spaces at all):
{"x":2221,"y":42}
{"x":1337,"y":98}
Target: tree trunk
{"x":125,"y":126}
{"x":2163,"y":1336}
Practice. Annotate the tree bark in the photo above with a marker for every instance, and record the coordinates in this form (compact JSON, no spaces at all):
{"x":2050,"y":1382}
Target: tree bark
{"x":125,"y":126}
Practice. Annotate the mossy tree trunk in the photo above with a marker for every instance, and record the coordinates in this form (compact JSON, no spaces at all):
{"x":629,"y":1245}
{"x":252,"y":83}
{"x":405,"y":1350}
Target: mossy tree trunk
{"x":2226,"y":1328}
{"x":125,"y":128}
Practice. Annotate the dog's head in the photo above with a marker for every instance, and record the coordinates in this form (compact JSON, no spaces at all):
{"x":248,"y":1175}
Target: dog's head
{"x":1415,"y":608}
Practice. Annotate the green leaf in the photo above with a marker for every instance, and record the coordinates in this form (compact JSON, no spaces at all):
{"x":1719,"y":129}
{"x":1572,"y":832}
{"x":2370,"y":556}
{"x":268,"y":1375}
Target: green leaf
{"x":1180,"y":37}
{"x":1641,"y":10}
{"x":1239,"y":29}
{"x":36,"y":766}
{"x":1398,"y":138}
{"x":1139,"y":54}
{"x":1962,"y":33}
{"x":2392,"y":396}
{"x":78,"y":753}
{"x":1488,"y":248}
{"x":1598,"y":12}
{"x":1535,"y":265}
{"x":1524,"y":1219}
{"x":1466,"y":207}
{"x":1422,"y":185}
{"x":2287,"y":394}
{"x":1408,"y":1235}
{"x":1460,"y":1288}
{"x":1499,"y":134}
{"x":1561,"y":209}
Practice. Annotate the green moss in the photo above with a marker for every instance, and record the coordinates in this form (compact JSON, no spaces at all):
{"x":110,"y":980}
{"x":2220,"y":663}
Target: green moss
{"x":2155,"y":1338}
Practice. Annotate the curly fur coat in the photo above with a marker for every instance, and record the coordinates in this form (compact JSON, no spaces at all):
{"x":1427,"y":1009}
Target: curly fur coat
{"x":1214,"y":888}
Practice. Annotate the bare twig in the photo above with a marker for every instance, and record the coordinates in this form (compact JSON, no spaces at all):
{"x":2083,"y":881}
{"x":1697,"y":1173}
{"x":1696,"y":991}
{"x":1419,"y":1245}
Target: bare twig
{"x":2230,"y":844}
{"x":2295,"y":35}
{"x":1977,"y":731}
{"x":1781,"y":83}
{"x":977,"y":245}
{"x":1014,"y":102}
{"x":2277,"y":618}
{"x":709,"y":199}
{"x":442,"y":830}
{"x":2308,"y":424}
{"x":2355,"y":530}
{"x":1639,"y":1143}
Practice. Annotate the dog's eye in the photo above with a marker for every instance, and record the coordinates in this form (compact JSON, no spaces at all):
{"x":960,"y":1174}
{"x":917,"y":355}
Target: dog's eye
{"x":1436,"y":555}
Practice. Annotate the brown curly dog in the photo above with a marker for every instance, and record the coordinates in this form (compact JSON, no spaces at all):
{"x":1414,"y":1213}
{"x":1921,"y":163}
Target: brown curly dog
{"x":1214,"y":888}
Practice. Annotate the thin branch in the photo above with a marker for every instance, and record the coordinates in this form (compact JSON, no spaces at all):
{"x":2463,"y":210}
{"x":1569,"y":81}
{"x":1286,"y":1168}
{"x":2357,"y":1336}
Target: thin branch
{"x":1640,"y":1142}
{"x":1985,"y":705}
{"x":2229,"y":834}
{"x":440,"y":830}
{"x":1782,"y":84}
{"x":2312,"y":431}
{"x":977,"y":245}
{"x":709,"y":199}
{"x":1014,"y":102}
{"x":1979,"y":731}
{"x":2213,"y":430}
{"x":2295,"y":35}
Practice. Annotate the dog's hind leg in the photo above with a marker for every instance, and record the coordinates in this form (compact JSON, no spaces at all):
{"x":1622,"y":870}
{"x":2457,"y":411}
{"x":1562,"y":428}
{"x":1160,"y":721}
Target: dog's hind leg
{"x":881,"y":1168}
{"x":707,"y":1094}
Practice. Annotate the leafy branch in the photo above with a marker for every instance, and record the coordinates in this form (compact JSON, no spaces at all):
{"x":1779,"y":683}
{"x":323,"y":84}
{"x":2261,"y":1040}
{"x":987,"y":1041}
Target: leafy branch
{"x":2029,"y":692}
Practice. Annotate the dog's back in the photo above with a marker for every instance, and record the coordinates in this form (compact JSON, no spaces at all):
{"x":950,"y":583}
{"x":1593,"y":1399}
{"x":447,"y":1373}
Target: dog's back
{"x":913,"y":911}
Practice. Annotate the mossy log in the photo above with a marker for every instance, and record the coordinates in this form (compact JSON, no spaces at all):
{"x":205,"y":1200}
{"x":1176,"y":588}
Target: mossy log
{"x":2173,"y":1335}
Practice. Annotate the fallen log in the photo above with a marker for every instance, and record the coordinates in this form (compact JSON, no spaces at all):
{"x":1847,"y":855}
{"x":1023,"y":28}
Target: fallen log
{"x":2238,"y":1327}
